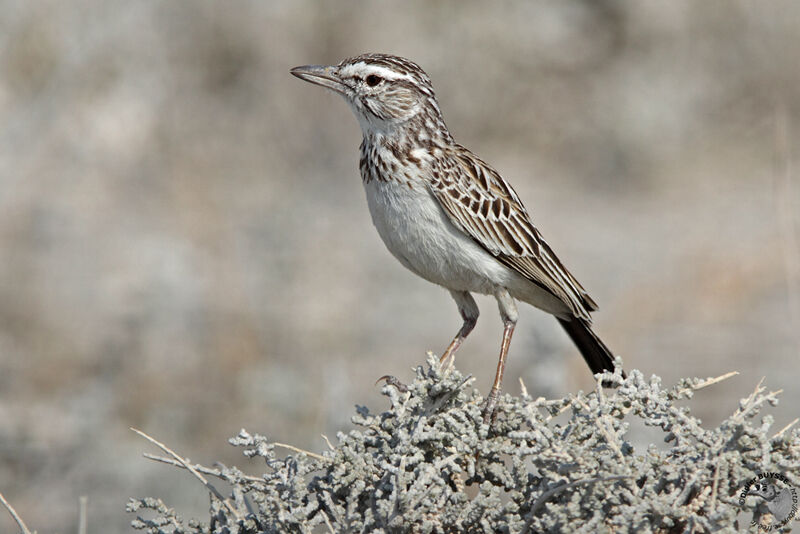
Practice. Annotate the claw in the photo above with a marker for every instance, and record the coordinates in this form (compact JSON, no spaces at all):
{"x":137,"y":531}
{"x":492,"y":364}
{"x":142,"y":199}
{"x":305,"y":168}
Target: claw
{"x":393,"y":381}
{"x":447,"y":361}
{"x":489,"y":413}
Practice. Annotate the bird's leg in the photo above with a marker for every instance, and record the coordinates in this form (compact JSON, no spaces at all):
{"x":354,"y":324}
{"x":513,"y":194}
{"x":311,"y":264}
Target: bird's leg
{"x":491,"y":399}
{"x":508,"y":311}
{"x":469,"y":313}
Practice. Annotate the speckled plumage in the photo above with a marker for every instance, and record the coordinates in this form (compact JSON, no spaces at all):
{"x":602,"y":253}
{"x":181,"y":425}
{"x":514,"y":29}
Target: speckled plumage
{"x":447,"y":215}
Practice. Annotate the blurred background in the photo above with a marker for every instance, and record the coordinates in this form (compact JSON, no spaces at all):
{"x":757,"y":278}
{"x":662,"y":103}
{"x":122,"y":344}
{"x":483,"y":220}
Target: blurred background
{"x":185,"y":247}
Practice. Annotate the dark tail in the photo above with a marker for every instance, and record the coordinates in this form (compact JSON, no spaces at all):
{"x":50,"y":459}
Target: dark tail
{"x":594,"y":351}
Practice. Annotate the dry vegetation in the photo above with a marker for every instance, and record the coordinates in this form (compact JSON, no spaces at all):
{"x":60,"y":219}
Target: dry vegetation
{"x":184,"y":245}
{"x":429,"y":464}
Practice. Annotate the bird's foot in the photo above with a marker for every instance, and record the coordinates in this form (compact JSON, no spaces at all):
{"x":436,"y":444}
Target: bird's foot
{"x":447,"y":360}
{"x":489,"y":413}
{"x":448,"y":357}
{"x":393,"y":381}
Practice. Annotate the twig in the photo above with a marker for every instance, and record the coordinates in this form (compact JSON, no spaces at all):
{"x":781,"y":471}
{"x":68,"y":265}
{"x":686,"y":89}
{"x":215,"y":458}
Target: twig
{"x":13,"y":513}
{"x":680,"y":499}
{"x":207,"y":470}
{"x":749,"y":402}
{"x":523,"y":388}
{"x":253,"y":512}
{"x":330,"y":445}
{"x":754,"y":400}
{"x":194,"y":471}
{"x":558,"y":489}
{"x":563,"y":409}
{"x":328,"y":523}
{"x":307,"y":453}
{"x":601,"y":397}
{"x":710,"y":382}
{"x":784,"y":429}
{"x":608,"y":432}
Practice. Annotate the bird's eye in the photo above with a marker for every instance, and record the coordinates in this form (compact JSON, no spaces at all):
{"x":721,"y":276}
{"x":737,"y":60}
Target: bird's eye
{"x":373,"y":80}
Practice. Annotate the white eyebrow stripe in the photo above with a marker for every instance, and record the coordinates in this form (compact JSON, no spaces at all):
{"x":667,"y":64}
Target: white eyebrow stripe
{"x":363,"y":70}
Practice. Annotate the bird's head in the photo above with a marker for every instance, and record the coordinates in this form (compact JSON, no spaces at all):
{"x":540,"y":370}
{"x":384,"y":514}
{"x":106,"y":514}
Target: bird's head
{"x":385,"y":92}
{"x":766,"y":491}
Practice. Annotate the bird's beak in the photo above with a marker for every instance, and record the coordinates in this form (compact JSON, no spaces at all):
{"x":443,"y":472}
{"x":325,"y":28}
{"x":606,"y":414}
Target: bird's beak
{"x":325,"y":76}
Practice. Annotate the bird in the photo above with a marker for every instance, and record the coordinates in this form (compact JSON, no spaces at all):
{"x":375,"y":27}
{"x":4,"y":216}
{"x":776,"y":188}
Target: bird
{"x":779,"y":503}
{"x":447,"y":215}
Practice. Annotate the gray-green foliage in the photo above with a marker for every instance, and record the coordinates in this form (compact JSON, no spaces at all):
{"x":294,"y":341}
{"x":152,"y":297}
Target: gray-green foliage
{"x":429,"y":464}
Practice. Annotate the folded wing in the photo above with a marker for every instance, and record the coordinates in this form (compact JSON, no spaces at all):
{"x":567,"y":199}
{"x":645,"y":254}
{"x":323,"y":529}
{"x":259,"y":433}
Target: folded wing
{"x":486,"y":207}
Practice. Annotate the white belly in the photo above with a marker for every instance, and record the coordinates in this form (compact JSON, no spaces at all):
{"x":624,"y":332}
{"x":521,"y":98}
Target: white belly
{"x":417,"y":232}
{"x":420,"y":235}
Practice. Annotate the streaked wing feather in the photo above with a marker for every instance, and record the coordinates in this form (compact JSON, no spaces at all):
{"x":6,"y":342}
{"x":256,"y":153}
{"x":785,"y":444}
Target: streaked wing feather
{"x":482,"y":204}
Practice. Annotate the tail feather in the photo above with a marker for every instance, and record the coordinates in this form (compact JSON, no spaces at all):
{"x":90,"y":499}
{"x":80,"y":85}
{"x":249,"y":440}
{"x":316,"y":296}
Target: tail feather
{"x":594,"y":351}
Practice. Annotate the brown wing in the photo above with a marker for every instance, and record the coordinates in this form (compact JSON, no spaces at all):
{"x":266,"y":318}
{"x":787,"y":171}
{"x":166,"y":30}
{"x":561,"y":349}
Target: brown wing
{"x":482,"y":204}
